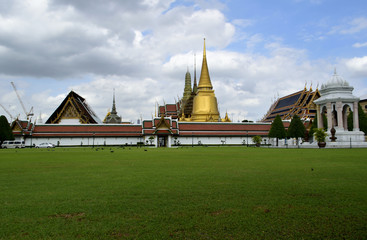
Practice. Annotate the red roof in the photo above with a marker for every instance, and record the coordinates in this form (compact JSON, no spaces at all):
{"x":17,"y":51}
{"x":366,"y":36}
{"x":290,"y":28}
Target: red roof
{"x":162,"y":109}
{"x":147,"y":124}
{"x":171,"y":108}
{"x":223,"y":127}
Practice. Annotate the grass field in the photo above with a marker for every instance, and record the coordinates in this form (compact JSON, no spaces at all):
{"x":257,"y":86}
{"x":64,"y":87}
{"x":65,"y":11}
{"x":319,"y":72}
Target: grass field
{"x":184,"y":193}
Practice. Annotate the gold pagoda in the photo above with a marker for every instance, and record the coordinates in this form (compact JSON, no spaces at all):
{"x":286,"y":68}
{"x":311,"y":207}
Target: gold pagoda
{"x":205,"y":106}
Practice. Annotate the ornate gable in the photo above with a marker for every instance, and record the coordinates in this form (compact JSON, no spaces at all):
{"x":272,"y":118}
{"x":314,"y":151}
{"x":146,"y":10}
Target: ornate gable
{"x":16,"y":127}
{"x":163,"y":126}
{"x":73,"y":107}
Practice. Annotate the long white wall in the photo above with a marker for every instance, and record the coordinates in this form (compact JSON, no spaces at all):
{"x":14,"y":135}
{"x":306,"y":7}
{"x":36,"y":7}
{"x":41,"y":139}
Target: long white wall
{"x":209,"y":140}
{"x":171,"y":141}
{"x":84,"y":141}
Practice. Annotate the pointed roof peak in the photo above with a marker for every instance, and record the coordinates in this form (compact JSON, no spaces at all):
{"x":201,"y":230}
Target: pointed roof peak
{"x":113,"y":104}
{"x":204,"y":81}
{"x":195,"y":88}
{"x":204,"y":48}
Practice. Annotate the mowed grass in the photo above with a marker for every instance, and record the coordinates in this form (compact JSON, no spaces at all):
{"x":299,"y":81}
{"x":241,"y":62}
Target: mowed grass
{"x":184,"y":193}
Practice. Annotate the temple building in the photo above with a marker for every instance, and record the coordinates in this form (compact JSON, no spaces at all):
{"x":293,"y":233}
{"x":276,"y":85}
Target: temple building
{"x":335,"y":102}
{"x":73,"y":110}
{"x":187,"y":101}
{"x":112,"y":116}
{"x":205,"y":106}
{"x":193,"y":120}
{"x":300,"y":103}
{"x":198,"y":104}
{"x":187,"y":90}
{"x":169,"y":110}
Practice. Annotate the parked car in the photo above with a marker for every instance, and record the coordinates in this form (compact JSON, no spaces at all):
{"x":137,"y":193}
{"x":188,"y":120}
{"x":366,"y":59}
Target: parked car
{"x":13,"y":144}
{"x":45,"y":145}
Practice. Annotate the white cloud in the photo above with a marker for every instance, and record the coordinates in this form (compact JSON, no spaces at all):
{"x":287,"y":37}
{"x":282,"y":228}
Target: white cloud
{"x":357,"y":66}
{"x":354,"y":26}
{"x":243,"y":23}
{"x":359,"y":45}
{"x":142,"y":50}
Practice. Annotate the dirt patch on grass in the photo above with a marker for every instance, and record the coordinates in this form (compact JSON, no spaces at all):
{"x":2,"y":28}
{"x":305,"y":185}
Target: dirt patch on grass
{"x":76,"y":216}
{"x":260,"y":208}
{"x":221,"y":212}
{"x":118,"y":235}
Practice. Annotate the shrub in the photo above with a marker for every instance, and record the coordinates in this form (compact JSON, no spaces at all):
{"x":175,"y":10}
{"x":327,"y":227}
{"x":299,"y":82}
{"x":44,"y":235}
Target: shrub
{"x":320,"y":134}
{"x":256,"y":139}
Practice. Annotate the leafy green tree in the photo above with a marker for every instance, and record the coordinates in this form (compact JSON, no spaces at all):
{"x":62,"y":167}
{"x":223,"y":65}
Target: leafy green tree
{"x":257,"y":140}
{"x":5,"y":130}
{"x":296,"y":128}
{"x":362,"y":117}
{"x":324,"y":120}
{"x":277,"y":129}
{"x":350,"y":121}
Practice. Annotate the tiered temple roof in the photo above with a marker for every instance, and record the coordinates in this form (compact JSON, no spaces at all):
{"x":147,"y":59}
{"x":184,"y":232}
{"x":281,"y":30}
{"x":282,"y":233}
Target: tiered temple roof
{"x":298,"y":103}
{"x":75,"y":108}
{"x":21,"y":127}
{"x":169,"y":110}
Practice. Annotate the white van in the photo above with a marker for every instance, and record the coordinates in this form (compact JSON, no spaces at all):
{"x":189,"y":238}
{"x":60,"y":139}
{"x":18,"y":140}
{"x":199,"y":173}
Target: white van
{"x":13,"y":144}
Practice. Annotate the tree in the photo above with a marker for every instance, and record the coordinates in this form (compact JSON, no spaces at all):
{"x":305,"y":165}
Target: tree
{"x":277,"y":129}
{"x":324,"y":121}
{"x":296,"y":128}
{"x":5,"y":130}
{"x":257,"y":140}
{"x":362,"y":117}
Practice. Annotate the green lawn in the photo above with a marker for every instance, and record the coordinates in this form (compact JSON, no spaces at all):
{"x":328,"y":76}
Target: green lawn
{"x":184,"y":193}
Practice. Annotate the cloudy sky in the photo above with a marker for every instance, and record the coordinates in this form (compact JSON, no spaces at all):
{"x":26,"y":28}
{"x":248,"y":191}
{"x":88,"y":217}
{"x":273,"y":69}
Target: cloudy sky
{"x":256,"y":50}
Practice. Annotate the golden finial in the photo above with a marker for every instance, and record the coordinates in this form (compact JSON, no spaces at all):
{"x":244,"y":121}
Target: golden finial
{"x":204,"y":48}
{"x":204,"y":81}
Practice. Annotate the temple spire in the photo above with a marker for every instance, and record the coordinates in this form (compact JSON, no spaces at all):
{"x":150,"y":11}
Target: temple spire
{"x":187,"y":90}
{"x":112,"y":116}
{"x":113,"y":104}
{"x":204,"y":81}
{"x":205,"y":106}
{"x":195,"y":88}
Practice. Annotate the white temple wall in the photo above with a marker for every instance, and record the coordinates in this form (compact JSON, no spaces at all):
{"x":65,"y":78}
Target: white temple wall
{"x":210,"y":140}
{"x":83,"y":141}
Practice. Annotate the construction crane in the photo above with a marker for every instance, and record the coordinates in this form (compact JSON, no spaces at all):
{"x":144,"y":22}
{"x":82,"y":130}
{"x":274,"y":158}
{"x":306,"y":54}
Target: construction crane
{"x":6,"y":110}
{"x":28,"y":114}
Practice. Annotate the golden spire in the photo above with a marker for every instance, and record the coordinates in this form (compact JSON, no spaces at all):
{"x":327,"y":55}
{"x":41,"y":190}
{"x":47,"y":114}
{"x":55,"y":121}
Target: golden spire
{"x":195,"y":88}
{"x":205,"y":106}
{"x":204,"y":81}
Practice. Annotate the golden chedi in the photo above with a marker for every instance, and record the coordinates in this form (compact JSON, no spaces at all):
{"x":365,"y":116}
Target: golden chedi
{"x":205,"y":107}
